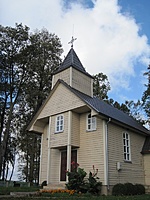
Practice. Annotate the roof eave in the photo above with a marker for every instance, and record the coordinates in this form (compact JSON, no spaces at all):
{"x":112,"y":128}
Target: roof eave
{"x":106,"y":117}
{"x":84,"y":72}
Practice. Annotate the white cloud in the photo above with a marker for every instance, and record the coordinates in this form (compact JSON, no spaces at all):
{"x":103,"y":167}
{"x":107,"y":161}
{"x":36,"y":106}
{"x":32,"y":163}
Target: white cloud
{"x":107,"y":40}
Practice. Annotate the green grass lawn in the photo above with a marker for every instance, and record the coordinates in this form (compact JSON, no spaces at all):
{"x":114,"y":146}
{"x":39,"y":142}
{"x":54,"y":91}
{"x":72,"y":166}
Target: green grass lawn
{"x":7,"y":190}
{"x":141,"y":197}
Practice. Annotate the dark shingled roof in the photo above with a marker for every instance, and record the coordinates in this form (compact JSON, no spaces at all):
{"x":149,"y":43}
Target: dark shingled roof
{"x":72,"y":60}
{"x":107,"y":110}
{"x":146,"y":147}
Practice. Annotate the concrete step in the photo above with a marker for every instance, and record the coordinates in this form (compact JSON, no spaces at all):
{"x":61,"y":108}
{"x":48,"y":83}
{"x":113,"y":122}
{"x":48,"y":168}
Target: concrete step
{"x":147,"y":189}
{"x":23,"y":193}
{"x":52,"y":186}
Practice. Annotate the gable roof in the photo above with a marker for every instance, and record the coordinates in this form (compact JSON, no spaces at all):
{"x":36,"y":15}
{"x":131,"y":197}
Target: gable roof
{"x":107,"y":110}
{"x":102,"y":108}
{"x":72,"y":60}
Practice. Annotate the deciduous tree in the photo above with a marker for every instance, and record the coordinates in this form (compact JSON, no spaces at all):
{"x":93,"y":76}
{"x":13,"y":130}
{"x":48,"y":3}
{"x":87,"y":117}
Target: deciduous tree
{"x":101,"y":86}
{"x":13,"y":41}
{"x":43,"y":55}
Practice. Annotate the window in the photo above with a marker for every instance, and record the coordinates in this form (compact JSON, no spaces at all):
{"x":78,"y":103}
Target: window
{"x":59,"y":123}
{"x":126,"y":146}
{"x":91,"y":123}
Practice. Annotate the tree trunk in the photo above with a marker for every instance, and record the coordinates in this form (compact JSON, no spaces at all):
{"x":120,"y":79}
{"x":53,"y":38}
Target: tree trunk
{"x":12,"y":172}
{"x":5,"y":139}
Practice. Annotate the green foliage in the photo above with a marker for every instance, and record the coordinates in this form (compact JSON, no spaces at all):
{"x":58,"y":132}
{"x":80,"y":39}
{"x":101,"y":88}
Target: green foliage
{"x":139,"y":189}
{"x":7,"y":190}
{"x":146,"y":96}
{"x":27,"y":63}
{"x":13,"y":41}
{"x":128,"y":189}
{"x":93,"y":185}
{"x":118,"y":189}
{"x":76,"y":181}
{"x":101,"y":86}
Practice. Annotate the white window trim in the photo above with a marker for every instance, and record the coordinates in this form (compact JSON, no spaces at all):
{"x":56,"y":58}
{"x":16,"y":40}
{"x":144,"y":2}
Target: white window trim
{"x":93,"y":128}
{"x":56,"y":120}
{"x":126,"y":146}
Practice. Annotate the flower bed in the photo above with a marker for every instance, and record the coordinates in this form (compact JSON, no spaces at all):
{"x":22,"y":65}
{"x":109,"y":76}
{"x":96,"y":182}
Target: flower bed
{"x":60,"y":191}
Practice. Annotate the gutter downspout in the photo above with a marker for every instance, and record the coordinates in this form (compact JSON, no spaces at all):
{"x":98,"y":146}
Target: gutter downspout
{"x":106,"y":149}
{"x":49,"y":152}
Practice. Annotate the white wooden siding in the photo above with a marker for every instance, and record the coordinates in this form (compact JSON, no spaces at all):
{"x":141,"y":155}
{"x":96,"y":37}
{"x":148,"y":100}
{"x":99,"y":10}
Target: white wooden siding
{"x":55,"y":166}
{"x":77,"y":80}
{"x":44,"y":156}
{"x":146,"y":158}
{"x":59,"y":139}
{"x":64,"y":75}
{"x":91,"y":148}
{"x":81,"y":82}
{"x":130,"y":171}
{"x":75,"y":134}
{"x":61,"y":100}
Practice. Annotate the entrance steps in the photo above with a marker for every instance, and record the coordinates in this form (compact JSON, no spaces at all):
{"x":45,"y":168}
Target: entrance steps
{"x":147,"y":189}
{"x":52,"y":186}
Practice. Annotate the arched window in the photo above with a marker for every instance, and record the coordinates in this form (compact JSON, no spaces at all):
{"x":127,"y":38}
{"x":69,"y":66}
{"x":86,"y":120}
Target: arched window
{"x":126,"y":147}
{"x":91,"y":123}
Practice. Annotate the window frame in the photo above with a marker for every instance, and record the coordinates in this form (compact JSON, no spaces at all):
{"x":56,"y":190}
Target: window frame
{"x":91,"y":123}
{"x":126,"y":147}
{"x":59,"y":123}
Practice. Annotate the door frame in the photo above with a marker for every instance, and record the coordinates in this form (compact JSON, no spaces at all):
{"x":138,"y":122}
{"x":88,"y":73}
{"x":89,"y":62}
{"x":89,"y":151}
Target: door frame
{"x":66,"y":161}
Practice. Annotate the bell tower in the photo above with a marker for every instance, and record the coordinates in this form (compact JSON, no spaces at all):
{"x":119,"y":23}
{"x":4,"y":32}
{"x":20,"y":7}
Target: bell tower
{"x":74,"y":74}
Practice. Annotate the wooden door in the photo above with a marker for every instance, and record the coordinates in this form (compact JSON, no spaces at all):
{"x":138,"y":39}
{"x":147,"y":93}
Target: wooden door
{"x":64,"y":163}
{"x":63,"y":166}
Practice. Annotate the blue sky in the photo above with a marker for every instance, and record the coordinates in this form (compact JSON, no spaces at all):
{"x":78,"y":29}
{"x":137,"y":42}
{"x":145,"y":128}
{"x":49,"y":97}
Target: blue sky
{"x":113,"y":36}
{"x":139,"y":9}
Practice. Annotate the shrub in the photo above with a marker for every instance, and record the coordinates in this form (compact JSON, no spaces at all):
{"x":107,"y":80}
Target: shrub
{"x":76,"y":180}
{"x":139,"y":189}
{"x":128,"y":189}
{"x":118,"y":189}
{"x":94,"y":186}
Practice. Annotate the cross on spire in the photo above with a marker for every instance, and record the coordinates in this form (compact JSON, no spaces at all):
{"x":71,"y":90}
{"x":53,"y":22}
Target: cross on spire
{"x":72,"y":41}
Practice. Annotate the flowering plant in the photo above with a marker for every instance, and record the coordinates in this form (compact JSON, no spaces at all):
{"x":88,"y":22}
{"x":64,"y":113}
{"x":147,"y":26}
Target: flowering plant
{"x":94,"y":186}
{"x":75,"y":177}
{"x":76,"y":180}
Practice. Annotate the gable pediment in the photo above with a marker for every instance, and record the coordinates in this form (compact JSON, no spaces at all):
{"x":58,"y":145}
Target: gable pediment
{"x":61,"y":100}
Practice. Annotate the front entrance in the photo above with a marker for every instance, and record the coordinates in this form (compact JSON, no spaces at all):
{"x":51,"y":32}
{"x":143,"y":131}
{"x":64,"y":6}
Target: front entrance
{"x":64,"y":163}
